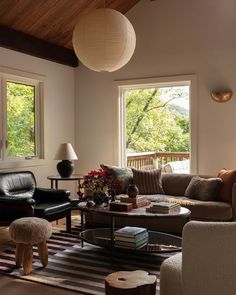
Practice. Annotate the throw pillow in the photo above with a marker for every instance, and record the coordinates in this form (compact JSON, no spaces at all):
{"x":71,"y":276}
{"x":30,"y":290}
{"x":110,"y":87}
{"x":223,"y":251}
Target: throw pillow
{"x":229,"y":178}
{"x":148,"y":181}
{"x":122,"y":177}
{"x":203,"y":189}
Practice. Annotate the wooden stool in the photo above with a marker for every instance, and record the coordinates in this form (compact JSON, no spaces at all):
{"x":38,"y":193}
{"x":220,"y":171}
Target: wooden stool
{"x":26,"y":232}
{"x":136,"y":282}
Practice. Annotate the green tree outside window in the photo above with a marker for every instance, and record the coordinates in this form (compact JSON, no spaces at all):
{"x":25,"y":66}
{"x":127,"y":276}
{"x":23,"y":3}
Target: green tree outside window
{"x":20,"y":120}
{"x":157,"y":124}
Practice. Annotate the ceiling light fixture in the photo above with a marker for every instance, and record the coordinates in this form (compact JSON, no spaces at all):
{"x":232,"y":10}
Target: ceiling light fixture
{"x":104,"y":40}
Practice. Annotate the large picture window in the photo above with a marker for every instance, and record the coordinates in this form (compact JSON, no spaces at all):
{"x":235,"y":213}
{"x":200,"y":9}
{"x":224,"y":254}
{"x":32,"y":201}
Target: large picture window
{"x":158,"y":124}
{"x":21,"y":129}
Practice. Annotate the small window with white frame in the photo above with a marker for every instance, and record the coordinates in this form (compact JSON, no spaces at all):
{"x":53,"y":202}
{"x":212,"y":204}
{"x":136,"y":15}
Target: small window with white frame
{"x":20,"y":113}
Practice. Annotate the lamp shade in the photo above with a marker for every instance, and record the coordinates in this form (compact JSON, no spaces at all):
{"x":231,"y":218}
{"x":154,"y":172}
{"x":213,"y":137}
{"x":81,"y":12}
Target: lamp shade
{"x":104,"y":40}
{"x":66,"y":152}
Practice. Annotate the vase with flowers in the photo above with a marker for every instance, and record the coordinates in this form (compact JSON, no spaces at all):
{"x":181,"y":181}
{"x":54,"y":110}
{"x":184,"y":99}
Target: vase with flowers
{"x":98,"y":186}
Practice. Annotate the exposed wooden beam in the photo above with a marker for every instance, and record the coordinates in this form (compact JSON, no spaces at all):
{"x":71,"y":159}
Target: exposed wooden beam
{"x":25,"y":43}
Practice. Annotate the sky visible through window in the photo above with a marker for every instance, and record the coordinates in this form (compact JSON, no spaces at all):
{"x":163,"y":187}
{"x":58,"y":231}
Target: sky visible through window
{"x":183,"y":101}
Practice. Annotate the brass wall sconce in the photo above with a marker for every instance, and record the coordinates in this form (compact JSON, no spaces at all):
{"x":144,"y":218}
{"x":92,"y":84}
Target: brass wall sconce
{"x":221,"y":96}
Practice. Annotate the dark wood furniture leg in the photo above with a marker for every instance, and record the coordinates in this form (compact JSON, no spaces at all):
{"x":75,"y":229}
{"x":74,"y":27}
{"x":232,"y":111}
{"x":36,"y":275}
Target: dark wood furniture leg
{"x":112,"y":237}
{"x":82,"y":226}
{"x":68,"y":222}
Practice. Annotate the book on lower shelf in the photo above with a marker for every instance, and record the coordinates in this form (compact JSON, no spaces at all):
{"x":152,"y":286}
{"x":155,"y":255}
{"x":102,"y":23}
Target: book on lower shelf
{"x":130,"y":245}
{"x":131,"y":237}
{"x":163,"y":207}
{"x":130,"y":231}
{"x":136,"y":238}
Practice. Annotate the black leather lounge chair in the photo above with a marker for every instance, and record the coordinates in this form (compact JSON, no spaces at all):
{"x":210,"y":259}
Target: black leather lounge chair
{"x":19,"y":197}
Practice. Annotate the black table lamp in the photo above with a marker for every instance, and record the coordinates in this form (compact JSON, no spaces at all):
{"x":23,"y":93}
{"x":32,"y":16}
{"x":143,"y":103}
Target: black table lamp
{"x":65,"y":153}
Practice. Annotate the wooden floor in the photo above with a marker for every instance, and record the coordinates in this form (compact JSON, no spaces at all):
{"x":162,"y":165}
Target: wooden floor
{"x":12,"y":286}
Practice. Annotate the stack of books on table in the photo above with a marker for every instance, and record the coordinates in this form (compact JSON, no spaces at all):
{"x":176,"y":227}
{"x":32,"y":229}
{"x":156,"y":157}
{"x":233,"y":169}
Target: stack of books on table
{"x":163,"y":207}
{"x":131,"y":237}
{"x":138,"y":201}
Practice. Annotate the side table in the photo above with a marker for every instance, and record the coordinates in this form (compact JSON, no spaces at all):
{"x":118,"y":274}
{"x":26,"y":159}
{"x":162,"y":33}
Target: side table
{"x":75,"y":177}
{"x":56,"y":178}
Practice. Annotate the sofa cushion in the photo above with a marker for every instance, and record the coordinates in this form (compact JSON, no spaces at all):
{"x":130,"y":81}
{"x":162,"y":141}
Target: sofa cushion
{"x":175,"y":184}
{"x":229,"y":178}
{"x":200,"y":210}
{"x":204,"y":189}
{"x":122,"y":177}
{"x":148,"y":181}
{"x":210,"y":210}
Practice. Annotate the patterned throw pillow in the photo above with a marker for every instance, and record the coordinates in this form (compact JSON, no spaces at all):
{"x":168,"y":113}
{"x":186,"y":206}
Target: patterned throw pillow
{"x":148,"y":181}
{"x":121,"y":176}
{"x":229,"y":178}
{"x":203,"y":189}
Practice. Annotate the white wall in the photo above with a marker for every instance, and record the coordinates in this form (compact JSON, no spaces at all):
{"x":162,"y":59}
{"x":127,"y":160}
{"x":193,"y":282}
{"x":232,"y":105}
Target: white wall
{"x":59,"y":102}
{"x":173,"y":37}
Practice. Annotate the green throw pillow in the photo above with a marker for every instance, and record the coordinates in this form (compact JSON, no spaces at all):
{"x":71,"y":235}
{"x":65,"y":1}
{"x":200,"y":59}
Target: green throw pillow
{"x":122,"y":177}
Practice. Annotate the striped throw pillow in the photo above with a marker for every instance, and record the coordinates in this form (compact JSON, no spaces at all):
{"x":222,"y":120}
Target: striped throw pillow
{"x":148,"y":181}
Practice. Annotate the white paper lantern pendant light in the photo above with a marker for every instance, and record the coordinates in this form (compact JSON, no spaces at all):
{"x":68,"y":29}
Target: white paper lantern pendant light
{"x":104,"y":40}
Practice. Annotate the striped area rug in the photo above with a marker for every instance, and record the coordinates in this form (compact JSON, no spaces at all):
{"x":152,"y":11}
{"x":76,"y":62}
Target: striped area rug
{"x":73,"y":268}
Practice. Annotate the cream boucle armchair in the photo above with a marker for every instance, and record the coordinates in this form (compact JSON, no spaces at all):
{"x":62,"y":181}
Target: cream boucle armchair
{"x":207,"y":264}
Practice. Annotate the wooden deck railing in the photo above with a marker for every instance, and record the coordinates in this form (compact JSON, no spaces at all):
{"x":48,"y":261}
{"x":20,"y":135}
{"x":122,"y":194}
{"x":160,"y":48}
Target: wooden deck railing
{"x":151,"y":160}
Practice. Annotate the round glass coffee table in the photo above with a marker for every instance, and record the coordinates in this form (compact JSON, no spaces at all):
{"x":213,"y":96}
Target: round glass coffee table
{"x":158,"y":242}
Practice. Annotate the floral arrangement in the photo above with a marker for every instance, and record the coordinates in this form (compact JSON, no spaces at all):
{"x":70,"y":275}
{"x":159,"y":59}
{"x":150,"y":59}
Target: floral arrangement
{"x":95,"y":182}
{"x":98,"y":185}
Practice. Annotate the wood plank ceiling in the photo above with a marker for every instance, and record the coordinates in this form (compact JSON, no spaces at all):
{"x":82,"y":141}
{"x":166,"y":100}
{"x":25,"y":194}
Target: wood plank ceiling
{"x":44,"y":27}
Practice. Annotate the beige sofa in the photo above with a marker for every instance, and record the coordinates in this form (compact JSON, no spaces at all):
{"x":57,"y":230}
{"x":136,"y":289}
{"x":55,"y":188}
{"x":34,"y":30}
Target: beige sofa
{"x":174,"y":186}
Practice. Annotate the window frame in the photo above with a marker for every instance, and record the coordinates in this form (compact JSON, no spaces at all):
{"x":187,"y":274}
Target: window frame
{"x":27,"y":79}
{"x":120,"y":123}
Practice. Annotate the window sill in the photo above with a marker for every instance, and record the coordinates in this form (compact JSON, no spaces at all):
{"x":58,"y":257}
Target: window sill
{"x":22,"y":163}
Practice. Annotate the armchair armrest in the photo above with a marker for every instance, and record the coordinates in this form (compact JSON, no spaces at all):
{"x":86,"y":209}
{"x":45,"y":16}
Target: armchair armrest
{"x":16,"y":200}
{"x":12,"y":207}
{"x":42,"y":195}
